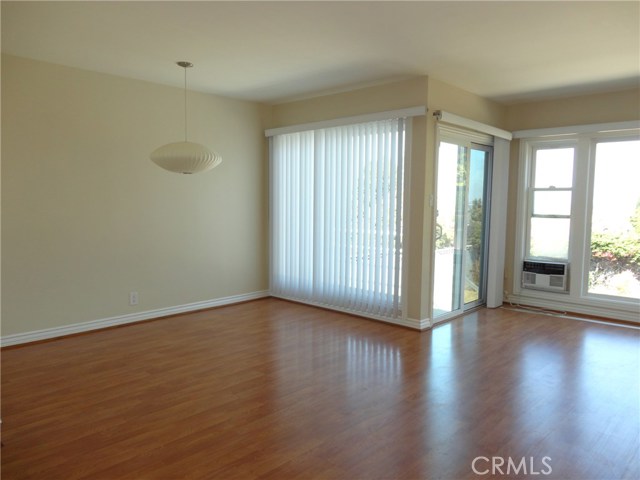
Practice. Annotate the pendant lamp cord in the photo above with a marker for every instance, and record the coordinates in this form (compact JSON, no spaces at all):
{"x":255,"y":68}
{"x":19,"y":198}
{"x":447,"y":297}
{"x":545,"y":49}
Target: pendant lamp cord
{"x":185,"y":104}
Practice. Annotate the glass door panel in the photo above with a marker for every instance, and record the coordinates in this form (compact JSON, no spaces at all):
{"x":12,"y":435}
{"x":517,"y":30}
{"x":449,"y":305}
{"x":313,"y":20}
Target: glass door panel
{"x":450,"y":226}
{"x":461,"y":233}
{"x":476,"y":227}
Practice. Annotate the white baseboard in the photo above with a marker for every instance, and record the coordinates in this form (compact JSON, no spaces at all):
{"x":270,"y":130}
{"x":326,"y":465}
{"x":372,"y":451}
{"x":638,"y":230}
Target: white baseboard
{"x":48,"y":333}
{"x":413,"y":323}
{"x":423,"y":324}
{"x":606,"y":312}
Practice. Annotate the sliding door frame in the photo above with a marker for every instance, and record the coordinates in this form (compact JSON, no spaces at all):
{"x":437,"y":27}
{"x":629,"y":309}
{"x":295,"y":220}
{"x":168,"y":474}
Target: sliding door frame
{"x":488,"y":177}
{"x":471,"y":141}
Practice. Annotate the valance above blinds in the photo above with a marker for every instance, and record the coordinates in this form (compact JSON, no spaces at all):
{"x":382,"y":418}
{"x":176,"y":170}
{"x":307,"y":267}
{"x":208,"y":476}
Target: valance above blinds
{"x":473,"y":125}
{"x":450,"y":131}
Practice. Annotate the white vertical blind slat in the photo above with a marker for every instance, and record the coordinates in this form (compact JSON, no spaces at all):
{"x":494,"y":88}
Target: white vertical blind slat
{"x":319,"y":206}
{"x":399,"y":213}
{"x":336,"y":202}
{"x":368,"y":196}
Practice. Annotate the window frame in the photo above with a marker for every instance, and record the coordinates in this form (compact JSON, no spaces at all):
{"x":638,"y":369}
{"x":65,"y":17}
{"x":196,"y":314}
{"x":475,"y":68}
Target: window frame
{"x":578,"y":299}
{"x":607,"y":137}
{"x":531,"y":189}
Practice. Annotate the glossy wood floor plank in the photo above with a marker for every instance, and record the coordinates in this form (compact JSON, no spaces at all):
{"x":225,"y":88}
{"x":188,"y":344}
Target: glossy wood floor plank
{"x":276,"y":390}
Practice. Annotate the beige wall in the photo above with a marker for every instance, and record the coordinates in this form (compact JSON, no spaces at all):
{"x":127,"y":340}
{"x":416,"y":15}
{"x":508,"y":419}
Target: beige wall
{"x":580,"y":110}
{"x":379,"y":98}
{"x":443,"y":96}
{"x":87,"y":217}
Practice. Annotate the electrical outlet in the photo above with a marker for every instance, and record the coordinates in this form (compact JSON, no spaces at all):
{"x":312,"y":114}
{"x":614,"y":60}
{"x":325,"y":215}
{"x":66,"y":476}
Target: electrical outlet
{"x":133,"y":298}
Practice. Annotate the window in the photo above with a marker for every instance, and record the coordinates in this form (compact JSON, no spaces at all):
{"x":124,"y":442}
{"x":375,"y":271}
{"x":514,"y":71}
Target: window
{"x":579,"y":204}
{"x":614,"y":265}
{"x":551,"y":191}
{"x":337,"y":198}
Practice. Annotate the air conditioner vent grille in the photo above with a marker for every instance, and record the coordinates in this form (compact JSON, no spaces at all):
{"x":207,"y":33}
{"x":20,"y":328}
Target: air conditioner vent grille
{"x":556,"y":281}
{"x":549,"y":276}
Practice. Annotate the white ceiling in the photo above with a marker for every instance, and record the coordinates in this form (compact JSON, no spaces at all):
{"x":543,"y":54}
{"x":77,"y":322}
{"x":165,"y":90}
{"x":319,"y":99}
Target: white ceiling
{"x":278,"y":51}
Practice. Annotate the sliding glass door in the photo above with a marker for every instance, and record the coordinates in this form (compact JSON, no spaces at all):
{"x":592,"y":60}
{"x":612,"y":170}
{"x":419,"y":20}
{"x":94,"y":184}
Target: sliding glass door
{"x":461,"y":234}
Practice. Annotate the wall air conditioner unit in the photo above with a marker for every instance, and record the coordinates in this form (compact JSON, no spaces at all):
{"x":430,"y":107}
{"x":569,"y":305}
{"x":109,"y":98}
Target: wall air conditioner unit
{"x":549,"y":276}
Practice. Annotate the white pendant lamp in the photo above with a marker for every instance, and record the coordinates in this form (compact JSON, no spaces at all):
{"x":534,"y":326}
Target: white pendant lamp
{"x":185,"y":157}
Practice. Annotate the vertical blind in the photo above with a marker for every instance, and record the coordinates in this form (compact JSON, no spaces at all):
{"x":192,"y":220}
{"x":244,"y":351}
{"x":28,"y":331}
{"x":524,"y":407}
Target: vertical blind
{"x":337,"y":216}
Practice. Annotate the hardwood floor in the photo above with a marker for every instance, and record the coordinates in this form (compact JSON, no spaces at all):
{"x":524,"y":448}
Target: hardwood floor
{"x":276,"y":390}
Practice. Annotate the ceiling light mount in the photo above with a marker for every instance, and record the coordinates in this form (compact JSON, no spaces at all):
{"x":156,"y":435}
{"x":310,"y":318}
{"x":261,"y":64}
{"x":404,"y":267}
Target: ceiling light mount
{"x":185,"y":157}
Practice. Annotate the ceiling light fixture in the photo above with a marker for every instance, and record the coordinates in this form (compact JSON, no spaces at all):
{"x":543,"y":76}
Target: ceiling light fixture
{"x":185,"y":157}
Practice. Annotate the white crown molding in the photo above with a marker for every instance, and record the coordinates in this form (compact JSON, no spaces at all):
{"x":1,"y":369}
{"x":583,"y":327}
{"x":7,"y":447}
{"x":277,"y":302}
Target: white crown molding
{"x":37,"y":335}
